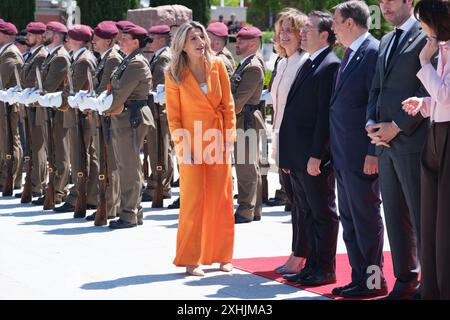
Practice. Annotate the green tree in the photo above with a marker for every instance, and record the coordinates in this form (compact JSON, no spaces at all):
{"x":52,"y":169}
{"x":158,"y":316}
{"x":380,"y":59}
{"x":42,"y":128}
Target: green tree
{"x":261,"y":11}
{"x":93,"y":12}
{"x":201,"y":9}
{"x":9,"y":11}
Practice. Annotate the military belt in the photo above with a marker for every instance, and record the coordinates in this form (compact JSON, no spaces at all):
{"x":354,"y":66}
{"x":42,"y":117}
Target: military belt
{"x":248,"y":111}
{"x":134,"y":106}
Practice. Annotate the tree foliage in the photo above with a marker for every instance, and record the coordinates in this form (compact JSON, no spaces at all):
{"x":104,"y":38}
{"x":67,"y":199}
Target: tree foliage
{"x":260,"y":11}
{"x":9,"y":11}
{"x":93,"y":12}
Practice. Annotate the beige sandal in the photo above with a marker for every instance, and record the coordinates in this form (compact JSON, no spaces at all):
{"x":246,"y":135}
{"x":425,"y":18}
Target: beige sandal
{"x":195,"y":271}
{"x":226,"y":267}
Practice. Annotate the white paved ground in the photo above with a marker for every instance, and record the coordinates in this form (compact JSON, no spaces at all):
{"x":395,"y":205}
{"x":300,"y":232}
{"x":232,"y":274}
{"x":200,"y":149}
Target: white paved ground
{"x":44,"y":255}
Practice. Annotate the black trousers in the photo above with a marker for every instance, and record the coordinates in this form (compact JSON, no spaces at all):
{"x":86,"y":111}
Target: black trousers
{"x":314,"y":198}
{"x":299,"y":239}
{"x":363,"y":229}
{"x":435,"y":213}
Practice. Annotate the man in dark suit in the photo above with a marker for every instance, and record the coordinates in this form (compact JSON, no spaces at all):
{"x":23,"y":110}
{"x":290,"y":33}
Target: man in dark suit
{"x":354,"y":160}
{"x":399,"y":139}
{"x":305,"y":151}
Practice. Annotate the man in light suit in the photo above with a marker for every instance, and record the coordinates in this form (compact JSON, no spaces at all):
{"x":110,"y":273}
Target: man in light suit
{"x":304,"y":150}
{"x":399,"y":139}
{"x":354,"y":160}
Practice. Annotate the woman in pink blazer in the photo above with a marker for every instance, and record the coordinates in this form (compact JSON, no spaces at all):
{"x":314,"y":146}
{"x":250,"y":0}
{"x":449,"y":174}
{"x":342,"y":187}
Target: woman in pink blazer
{"x":434,"y":16}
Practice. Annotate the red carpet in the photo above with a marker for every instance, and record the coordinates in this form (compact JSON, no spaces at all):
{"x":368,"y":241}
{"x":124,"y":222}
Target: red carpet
{"x":264,"y":267}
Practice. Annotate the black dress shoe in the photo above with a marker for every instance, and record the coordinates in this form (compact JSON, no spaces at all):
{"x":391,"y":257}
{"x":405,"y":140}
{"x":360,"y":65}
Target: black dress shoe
{"x":241,"y":219}
{"x":33,"y":194}
{"x":288,"y":207}
{"x":66,"y":207}
{"x":121,"y":224}
{"x":38,"y":202}
{"x":79,"y":215}
{"x":257,"y":218}
{"x":91,"y":207}
{"x":404,"y":290}
{"x":338,"y":290}
{"x":175,"y":204}
{"x":305,"y":272}
{"x":318,"y":279}
{"x":361,"y":291}
{"x":41,"y":200}
{"x":273,"y":202}
{"x":92,"y":217}
{"x":399,"y":295}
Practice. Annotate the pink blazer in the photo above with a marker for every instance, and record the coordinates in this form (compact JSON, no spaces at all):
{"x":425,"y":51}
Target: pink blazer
{"x":437,"y":83}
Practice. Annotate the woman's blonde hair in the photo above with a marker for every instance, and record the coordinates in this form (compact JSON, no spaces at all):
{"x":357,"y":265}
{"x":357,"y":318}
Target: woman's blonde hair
{"x":297,"y":19}
{"x":179,"y":61}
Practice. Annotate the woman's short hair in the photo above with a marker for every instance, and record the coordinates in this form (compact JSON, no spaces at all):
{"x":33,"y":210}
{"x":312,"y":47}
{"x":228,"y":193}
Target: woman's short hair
{"x":436,"y":15}
{"x":143,"y":40}
{"x":297,"y":20}
{"x":179,"y":61}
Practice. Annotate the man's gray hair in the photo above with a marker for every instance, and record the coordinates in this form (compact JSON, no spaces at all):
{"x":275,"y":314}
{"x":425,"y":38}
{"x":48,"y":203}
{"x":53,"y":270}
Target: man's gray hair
{"x":358,"y":10}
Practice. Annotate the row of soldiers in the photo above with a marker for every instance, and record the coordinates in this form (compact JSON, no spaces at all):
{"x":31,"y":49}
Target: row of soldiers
{"x":89,"y":101}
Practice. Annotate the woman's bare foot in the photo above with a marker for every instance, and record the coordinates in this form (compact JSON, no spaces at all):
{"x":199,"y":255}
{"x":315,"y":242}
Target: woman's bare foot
{"x":280,"y":269}
{"x":295,"y":265}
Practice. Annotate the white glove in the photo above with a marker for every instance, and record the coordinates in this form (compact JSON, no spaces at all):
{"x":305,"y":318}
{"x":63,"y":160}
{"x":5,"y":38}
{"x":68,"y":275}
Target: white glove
{"x":89,"y":103}
{"x":105,"y":103}
{"x":267,"y":97}
{"x":55,"y":99}
{"x":74,"y":101}
{"x":21,"y":95}
{"x":11,"y":95}
{"x":51,"y":99}
{"x":2,"y":95}
{"x":31,"y":96}
{"x":44,"y":100}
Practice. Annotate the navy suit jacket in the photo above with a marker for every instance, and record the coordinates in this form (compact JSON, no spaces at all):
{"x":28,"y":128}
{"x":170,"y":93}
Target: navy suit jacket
{"x":305,"y":130}
{"x":348,"y":136}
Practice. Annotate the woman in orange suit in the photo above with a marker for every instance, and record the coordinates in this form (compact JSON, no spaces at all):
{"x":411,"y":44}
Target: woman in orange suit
{"x":202,"y":122}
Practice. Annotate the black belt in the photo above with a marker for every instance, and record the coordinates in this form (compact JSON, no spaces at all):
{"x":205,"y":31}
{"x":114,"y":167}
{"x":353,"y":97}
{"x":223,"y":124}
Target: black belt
{"x":134,"y":106}
{"x":248,"y":111}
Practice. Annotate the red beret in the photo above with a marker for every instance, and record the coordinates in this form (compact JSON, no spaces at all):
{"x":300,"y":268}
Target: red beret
{"x":80,"y":32}
{"x":36,"y":28}
{"x":106,"y":30}
{"x":159,"y":29}
{"x":218,"y":29}
{"x":122,"y":24}
{"x":135,"y":31}
{"x":8,"y":28}
{"x":249,"y":32}
{"x":56,"y":27}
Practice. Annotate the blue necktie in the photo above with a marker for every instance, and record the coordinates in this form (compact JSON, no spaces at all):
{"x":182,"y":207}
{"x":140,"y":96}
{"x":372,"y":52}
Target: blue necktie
{"x":344,"y":63}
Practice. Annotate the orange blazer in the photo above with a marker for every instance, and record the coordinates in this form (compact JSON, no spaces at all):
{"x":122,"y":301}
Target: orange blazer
{"x":186,"y":104}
